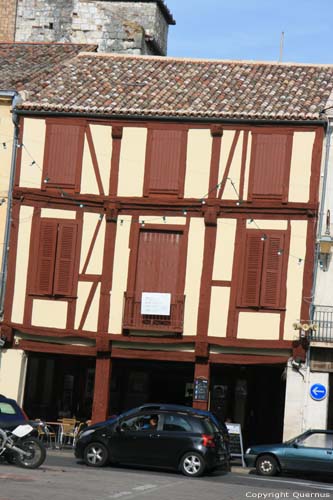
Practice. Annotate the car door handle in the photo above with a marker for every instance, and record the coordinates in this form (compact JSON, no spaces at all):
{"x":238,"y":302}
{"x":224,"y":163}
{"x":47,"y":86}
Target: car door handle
{"x":154,"y":435}
{"x":329,"y":452}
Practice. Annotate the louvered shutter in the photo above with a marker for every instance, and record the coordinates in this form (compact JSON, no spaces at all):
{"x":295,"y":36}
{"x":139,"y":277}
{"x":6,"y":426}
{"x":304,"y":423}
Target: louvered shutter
{"x":165,"y":161}
{"x":269,"y":161}
{"x":272,"y":272}
{"x":65,"y":258}
{"x":46,"y":257}
{"x":64,"y":146}
{"x":250,"y":291}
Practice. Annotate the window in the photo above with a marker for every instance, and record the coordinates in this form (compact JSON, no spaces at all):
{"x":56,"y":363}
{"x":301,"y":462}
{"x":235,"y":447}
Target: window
{"x":270,"y":165}
{"x":56,"y":257}
{"x":7,"y":409}
{"x":262,"y":274}
{"x":165,"y":161}
{"x":317,"y":440}
{"x":63,"y":154}
{"x":176,"y":423}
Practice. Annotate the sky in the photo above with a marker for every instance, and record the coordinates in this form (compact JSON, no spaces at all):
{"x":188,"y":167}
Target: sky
{"x":251,"y":30}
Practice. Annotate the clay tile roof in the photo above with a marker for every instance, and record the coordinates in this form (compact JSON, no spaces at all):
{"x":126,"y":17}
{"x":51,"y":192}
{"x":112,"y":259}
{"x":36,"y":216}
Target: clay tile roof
{"x":109,"y":85}
{"x":21,"y":63}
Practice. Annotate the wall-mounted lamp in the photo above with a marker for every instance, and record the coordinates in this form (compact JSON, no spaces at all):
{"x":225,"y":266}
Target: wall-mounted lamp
{"x":325,"y":245}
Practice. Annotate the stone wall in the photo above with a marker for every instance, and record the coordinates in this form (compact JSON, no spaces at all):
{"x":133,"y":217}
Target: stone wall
{"x":125,"y":27}
{"x":7,"y":20}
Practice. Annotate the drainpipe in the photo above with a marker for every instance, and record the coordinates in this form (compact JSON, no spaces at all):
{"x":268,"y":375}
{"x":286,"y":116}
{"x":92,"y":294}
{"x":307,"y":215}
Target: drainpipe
{"x":3,"y":273}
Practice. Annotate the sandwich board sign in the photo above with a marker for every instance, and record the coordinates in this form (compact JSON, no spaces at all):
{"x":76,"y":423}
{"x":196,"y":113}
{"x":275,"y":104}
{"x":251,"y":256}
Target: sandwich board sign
{"x":236,"y":441}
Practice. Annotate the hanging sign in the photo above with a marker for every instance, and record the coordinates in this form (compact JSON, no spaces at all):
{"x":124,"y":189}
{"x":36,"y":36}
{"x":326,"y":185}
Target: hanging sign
{"x":200,"y":389}
{"x":156,"y":303}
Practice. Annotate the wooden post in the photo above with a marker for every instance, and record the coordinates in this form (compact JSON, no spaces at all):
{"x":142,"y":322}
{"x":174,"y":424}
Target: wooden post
{"x":102,"y":388}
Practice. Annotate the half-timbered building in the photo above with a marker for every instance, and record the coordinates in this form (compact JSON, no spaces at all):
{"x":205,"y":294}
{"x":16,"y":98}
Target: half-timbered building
{"x":162,"y":241}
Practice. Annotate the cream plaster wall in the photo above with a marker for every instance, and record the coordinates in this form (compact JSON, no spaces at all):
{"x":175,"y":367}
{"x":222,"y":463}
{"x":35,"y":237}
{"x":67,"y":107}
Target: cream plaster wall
{"x":49,"y":313}
{"x":33,"y":140}
{"x":91,"y":321}
{"x":224,"y":249}
{"x":295,"y":277}
{"x":181,"y":221}
{"x":102,"y":138}
{"x":12,"y":373}
{"x":22,"y":261}
{"x":88,"y":177}
{"x":132,"y":161}
{"x":57,"y":214}
{"x":247,"y":166}
{"x":219,"y":308}
{"x":6,"y":144}
{"x":120,"y":272}
{"x":235,"y":167}
{"x":300,"y":171}
{"x":199,"y":151}
{"x":260,"y":326}
{"x":280,"y":225}
{"x":95,"y":265}
{"x":195,"y":249}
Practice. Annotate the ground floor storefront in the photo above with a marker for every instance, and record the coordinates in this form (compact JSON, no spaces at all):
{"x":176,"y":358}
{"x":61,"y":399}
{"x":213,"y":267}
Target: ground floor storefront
{"x":59,"y":385}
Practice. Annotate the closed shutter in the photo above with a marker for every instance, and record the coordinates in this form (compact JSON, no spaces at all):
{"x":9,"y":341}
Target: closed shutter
{"x":165,"y":160}
{"x":269,"y":161}
{"x":64,"y":147}
{"x":272,"y":272}
{"x":250,"y":292}
{"x":158,"y":262}
{"x":46,"y":257}
{"x":65,"y":258}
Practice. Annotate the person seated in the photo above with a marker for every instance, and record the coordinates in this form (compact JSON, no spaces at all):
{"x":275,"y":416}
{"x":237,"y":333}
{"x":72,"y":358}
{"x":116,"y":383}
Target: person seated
{"x":152,"y":423}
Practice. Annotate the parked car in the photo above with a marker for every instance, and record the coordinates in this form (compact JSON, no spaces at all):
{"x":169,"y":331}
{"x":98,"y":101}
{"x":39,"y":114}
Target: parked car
{"x":156,"y":435}
{"x":310,"y":452}
{"x":11,"y":414}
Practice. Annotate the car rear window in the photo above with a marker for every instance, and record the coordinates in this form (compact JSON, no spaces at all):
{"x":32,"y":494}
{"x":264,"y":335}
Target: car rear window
{"x":208,"y":425}
{"x":7,"y":409}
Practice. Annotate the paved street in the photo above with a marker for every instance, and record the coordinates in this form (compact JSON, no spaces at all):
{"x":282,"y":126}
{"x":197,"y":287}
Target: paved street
{"x":62,"y":477}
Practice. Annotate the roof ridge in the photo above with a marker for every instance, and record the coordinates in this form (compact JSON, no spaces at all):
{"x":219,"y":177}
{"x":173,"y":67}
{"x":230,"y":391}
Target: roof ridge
{"x":115,"y":55}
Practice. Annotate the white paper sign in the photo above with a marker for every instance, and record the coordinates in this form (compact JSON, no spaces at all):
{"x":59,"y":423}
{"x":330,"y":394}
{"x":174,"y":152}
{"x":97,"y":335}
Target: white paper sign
{"x":156,"y":303}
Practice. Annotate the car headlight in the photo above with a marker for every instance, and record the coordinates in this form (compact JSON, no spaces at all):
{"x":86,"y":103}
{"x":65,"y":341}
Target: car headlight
{"x":86,"y":433}
{"x":248,"y":451}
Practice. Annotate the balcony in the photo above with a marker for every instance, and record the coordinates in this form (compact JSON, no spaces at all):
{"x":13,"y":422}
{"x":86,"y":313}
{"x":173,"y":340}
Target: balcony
{"x":134,"y":320}
{"x":323,"y":318}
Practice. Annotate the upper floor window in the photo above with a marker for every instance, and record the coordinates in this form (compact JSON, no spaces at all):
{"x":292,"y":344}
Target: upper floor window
{"x":270,"y":165}
{"x":264,"y":270}
{"x":63,"y":154}
{"x":55,"y":257}
{"x":165,"y":161}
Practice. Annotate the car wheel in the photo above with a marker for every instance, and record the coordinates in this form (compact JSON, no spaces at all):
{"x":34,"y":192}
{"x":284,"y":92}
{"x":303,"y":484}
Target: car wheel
{"x":192,"y":464}
{"x":96,"y":455}
{"x":267,"y":465}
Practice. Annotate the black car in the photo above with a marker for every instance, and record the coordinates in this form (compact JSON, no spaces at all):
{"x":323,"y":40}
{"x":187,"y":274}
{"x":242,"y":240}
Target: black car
{"x":156,"y":436}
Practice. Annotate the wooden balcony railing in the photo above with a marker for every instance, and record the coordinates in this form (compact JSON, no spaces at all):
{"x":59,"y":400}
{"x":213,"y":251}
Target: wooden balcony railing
{"x":134,"y":320}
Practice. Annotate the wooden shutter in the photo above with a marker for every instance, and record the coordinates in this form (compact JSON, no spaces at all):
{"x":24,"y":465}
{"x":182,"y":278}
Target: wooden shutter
{"x":65,"y":258}
{"x":63,"y":154}
{"x":158,"y":262}
{"x":272,"y":272}
{"x":270,"y":164}
{"x":164,"y":161}
{"x":250,"y":292}
{"x":46,"y":257}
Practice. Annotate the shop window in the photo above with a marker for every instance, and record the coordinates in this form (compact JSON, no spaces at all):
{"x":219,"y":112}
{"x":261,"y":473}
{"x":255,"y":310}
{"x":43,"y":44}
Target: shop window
{"x":270,"y":165}
{"x":165,"y":162}
{"x":263,"y":276}
{"x":55,"y":258}
{"x":63,"y":154}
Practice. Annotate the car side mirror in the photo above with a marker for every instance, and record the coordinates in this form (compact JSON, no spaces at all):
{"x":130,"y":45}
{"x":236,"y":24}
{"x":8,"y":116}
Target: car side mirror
{"x":295,"y":445}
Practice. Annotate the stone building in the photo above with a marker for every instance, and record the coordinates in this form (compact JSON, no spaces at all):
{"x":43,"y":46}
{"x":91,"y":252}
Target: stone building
{"x":135,"y":27}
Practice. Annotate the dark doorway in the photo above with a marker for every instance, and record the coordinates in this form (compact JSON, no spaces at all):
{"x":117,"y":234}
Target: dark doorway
{"x":137,"y":382}
{"x":252,"y":396}
{"x":59,"y":386}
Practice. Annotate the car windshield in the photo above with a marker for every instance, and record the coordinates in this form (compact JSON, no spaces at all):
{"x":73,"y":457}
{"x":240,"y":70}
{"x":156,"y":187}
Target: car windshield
{"x":7,"y":409}
{"x":297,"y":438}
{"x":208,"y":425}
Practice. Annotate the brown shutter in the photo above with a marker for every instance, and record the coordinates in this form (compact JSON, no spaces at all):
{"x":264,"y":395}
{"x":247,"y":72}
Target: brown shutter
{"x":165,"y":160}
{"x":250,"y":292}
{"x":270,"y":160}
{"x":46,"y":257}
{"x":65,"y":258}
{"x":64,"y":148}
{"x":158,"y":262}
{"x":272,"y":272}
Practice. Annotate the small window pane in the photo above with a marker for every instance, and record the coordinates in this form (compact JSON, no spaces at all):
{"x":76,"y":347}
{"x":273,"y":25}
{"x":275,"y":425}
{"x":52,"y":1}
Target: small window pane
{"x":7,"y":409}
{"x":176,"y":423}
